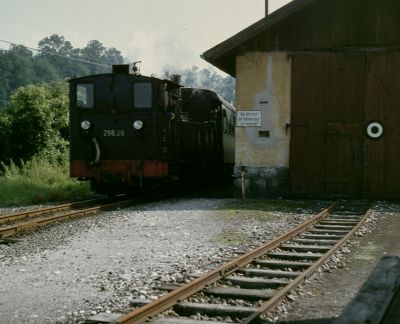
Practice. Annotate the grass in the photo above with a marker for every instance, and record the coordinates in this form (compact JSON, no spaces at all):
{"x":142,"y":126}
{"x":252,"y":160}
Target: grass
{"x":236,"y":212}
{"x":273,"y":205}
{"x":38,"y":181}
{"x":230,"y":237}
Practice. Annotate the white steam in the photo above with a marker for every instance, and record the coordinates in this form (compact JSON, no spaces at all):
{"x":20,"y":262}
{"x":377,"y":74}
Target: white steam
{"x":160,"y":53}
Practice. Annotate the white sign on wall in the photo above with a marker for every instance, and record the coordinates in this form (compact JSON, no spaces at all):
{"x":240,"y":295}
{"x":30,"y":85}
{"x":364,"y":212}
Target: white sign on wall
{"x":246,"y":118}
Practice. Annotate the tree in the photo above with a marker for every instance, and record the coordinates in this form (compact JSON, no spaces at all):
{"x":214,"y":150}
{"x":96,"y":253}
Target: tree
{"x":44,"y":70}
{"x":4,"y":90}
{"x":21,"y":67}
{"x":54,"y":44}
{"x":16,"y":69}
{"x":56,"y":50}
{"x":5,"y":70}
{"x":5,"y":135}
{"x":38,"y":120}
{"x":94,"y":52}
{"x":112,"y":56}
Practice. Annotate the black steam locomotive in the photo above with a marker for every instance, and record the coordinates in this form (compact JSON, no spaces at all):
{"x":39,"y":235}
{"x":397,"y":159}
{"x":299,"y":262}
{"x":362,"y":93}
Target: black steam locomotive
{"x":129,"y":131}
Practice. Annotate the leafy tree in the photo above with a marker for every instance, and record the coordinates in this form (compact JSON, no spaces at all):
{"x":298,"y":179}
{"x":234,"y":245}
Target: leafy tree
{"x":94,"y":52}
{"x":55,"y":44}
{"x":16,"y":69}
{"x":5,"y":73}
{"x":38,"y":120}
{"x":56,"y":50}
{"x":21,"y":67}
{"x":112,"y":56}
{"x":5,"y":135}
{"x":4,"y":90}
{"x":60,"y":104}
{"x":44,"y":70}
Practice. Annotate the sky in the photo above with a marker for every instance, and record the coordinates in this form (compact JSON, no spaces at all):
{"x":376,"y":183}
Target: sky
{"x":165,"y":35}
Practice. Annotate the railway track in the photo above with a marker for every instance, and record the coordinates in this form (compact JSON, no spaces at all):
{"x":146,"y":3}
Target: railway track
{"x":244,"y":289}
{"x":12,"y":224}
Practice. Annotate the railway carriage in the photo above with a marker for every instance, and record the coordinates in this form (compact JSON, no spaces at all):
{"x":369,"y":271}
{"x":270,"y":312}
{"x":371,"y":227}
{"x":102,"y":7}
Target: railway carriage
{"x":129,"y":131}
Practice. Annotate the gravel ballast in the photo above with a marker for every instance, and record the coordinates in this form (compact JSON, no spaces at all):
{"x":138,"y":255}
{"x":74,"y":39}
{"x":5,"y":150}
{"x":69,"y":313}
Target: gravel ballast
{"x":75,"y":269}
{"x":322,"y":298}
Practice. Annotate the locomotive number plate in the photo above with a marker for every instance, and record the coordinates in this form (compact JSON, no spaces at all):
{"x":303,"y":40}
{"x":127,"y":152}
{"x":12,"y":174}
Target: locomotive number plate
{"x":113,"y":132}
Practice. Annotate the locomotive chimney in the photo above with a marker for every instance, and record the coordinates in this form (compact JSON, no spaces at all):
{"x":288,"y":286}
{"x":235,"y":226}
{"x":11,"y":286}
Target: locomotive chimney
{"x":266,"y":8}
{"x":120,"y":68}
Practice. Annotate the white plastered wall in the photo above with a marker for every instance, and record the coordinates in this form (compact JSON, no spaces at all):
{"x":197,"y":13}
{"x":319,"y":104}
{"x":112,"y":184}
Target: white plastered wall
{"x":263,"y":83}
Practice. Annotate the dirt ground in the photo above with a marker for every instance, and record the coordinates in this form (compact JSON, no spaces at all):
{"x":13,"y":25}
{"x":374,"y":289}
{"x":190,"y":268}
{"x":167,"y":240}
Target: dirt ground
{"x":324,"y":297}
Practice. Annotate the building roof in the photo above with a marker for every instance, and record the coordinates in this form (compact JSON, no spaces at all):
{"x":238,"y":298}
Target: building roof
{"x":230,"y":47}
{"x":314,"y":25}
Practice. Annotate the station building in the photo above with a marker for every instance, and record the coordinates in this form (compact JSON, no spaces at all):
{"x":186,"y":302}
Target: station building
{"x":318,"y":100}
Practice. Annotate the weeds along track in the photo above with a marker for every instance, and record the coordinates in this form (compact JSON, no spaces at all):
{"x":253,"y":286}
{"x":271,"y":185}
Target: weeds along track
{"x":244,"y":289}
{"x":17,"y":223}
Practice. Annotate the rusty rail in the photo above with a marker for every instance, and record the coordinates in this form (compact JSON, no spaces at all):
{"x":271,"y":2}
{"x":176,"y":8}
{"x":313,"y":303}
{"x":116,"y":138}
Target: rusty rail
{"x":277,"y":298}
{"x":40,"y":211}
{"x":167,"y":301}
{"x":22,"y":227}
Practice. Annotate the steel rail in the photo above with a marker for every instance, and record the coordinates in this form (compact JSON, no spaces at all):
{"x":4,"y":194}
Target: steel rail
{"x":276,"y":299}
{"x":165,"y":302}
{"x":12,"y":230}
{"x":41,"y":211}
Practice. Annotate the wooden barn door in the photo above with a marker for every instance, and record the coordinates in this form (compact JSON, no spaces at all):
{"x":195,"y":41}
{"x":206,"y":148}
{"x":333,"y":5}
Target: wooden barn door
{"x":382,"y":107}
{"x":326,"y":147}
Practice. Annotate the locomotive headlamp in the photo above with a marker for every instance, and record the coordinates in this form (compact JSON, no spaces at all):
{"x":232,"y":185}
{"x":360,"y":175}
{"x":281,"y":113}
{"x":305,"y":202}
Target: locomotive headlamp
{"x":85,"y":125}
{"x":138,"y":124}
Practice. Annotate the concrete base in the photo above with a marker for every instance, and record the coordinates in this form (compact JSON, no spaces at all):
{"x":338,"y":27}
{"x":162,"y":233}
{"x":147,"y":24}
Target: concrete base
{"x":261,"y":182}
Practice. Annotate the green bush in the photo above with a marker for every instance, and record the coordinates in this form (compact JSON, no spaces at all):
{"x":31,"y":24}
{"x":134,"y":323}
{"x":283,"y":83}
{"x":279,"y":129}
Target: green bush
{"x":5,"y":134}
{"x":38,"y":181}
{"x":38,"y":121}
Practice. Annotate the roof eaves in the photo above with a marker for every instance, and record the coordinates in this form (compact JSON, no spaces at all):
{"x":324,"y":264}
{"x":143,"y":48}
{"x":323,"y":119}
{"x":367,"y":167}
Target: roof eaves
{"x":246,"y":34}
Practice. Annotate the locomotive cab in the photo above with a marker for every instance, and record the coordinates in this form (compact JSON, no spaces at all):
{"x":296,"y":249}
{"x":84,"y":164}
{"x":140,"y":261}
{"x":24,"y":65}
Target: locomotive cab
{"x":116,"y":123}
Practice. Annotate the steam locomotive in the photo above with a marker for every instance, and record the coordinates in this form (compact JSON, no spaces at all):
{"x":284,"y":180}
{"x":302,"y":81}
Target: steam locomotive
{"x":129,"y":131}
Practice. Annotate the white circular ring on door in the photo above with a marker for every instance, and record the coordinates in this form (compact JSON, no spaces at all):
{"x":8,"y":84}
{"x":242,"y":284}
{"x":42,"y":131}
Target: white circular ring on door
{"x":374,"y":130}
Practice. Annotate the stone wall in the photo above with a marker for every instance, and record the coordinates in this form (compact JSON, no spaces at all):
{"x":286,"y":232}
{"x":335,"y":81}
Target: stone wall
{"x":261,"y":182}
